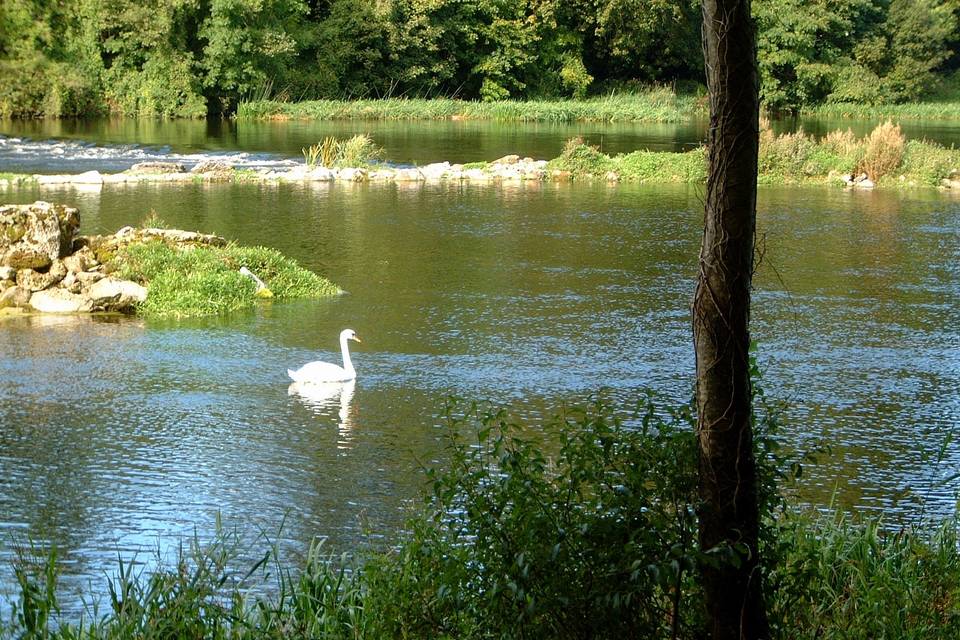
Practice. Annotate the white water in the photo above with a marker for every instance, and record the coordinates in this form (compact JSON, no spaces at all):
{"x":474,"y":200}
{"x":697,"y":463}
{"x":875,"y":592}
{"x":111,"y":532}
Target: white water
{"x":25,"y":155}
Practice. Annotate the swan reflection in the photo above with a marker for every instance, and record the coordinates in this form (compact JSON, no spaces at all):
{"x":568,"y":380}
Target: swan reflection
{"x":325,"y":397}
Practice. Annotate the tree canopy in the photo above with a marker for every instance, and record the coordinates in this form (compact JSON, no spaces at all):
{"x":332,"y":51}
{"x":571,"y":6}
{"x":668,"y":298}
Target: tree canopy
{"x":185,"y":57}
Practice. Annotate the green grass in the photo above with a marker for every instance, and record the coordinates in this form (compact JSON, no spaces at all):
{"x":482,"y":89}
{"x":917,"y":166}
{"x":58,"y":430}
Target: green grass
{"x":655,"y":105}
{"x":198,"y":281}
{"x":946,"y":110}
{"x":18,"y":178}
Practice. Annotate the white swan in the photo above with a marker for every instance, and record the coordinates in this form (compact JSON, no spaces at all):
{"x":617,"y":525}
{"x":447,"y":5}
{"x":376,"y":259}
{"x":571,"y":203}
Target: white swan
{"x":324,"y":372}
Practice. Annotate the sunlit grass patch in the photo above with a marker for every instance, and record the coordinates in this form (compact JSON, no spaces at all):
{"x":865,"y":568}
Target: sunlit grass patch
{"x":656,"y":104}
{"x":197,"y":281}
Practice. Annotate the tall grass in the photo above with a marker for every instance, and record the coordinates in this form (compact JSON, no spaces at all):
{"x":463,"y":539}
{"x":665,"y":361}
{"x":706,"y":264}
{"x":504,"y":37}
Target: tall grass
{"x":196,"y":281}
{"x":935,"y":110}
{"x":658,"y":104}
{"x":357,"y":151}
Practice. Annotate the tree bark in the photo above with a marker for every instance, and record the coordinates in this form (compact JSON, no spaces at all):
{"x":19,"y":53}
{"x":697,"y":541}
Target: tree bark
{"x":729,"y":518}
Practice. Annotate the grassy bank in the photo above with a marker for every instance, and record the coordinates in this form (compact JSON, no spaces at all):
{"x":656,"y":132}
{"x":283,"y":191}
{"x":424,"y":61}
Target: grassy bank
{"x":884,"y":155}
{"x":598,"y":540}
{"x":946,"y":110}
{"x":655,"y":105}
{"x":205,"y":280}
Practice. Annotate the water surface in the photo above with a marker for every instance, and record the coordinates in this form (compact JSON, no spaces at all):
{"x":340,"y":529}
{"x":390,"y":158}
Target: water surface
{"x":118,"y":435}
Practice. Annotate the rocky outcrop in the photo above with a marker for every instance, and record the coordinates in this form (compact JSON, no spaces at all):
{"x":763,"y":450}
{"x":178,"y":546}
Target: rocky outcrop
{"x":157,"y":167}
{"x":32,"y":236}
{"x":506,"y":169}
{"x":45,"y":268}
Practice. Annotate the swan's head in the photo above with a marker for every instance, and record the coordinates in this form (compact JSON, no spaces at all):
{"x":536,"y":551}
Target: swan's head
{"x":349,"y":334}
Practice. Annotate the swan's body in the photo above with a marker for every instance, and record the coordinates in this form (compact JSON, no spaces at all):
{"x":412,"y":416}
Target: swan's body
{"x":324,"y":372}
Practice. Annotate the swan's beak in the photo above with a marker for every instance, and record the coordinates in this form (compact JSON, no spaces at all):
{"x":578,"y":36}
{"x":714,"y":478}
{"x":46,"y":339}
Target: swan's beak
{"x":357,"y":338}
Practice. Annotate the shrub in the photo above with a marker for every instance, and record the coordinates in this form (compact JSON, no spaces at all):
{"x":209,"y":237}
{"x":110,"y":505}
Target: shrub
{"x":928,"y":163}
{"x":884,"y":151}
{"x":785,"y":157}
{"x":582,"y":159}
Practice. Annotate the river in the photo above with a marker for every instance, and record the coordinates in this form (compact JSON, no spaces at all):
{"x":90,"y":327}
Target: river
{"x":122,"y":435}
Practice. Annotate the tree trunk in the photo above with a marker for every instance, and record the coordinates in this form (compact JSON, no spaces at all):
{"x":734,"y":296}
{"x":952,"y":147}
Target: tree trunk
{"x":729,"y":516}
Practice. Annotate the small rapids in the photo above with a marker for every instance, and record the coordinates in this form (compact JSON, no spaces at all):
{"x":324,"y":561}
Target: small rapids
{"x":26,"y":155}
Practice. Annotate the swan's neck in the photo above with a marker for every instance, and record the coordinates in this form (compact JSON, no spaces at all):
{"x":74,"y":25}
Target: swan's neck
{"x":345,"y":351}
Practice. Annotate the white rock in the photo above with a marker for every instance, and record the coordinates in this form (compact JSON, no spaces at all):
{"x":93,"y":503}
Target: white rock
{"x":476,"y":175}
{"x":435,"y":171}
{"x":88,"y":177}
{"x":866,"y":183}
{"x":408,"y":175}
{"x":58,"y":301}
{"x":113,"y":294}
{"x":319,"y":174}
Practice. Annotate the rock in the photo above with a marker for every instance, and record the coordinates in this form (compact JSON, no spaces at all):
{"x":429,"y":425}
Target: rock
{"x":157,"y":167}
{"x":76,"y":263}
{"x":476,"y":175}
{"x":33,"y":280}
{"x":8,"y":273}
{"x":560,"y":174}
{"x":352,"y":175}
{"x":949,"y":183}
{"x":613,"y":176}
{"x":88,"y":177}
{"x":113,"y":294}
{"x":15,"y":297}
{"x":212,"y":166}
{"x":408,"y":175}
{"x":436,"y":170}
{"x":510,"y":159}
{"x":319,"y":174}
{"x":59,"y":301}
{"x":866,"y":183}
{"x":175,"y":236}
{"x":34,"y":235}
{"x":87,"y":278}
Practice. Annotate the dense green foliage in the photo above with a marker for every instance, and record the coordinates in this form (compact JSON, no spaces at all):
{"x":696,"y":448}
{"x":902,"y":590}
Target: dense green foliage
{"x":584,"y":529}
{"x":196,"y":281}
{"x":188,"y":57}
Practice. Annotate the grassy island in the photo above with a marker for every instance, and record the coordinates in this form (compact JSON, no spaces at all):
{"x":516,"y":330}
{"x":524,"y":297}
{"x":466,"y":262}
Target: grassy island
{"x":205,"y":280}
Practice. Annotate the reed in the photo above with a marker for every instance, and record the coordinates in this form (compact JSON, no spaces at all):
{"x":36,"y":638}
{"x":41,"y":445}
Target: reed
{"x":658,"y":104}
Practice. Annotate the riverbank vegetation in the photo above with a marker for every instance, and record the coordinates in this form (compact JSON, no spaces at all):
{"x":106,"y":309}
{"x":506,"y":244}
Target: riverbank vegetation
{"x":591,"y":534}
{"x":187,"y":59}
{"x":884,"y":156}
{"x":205,"y":280}
{"x":651,"y":104}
